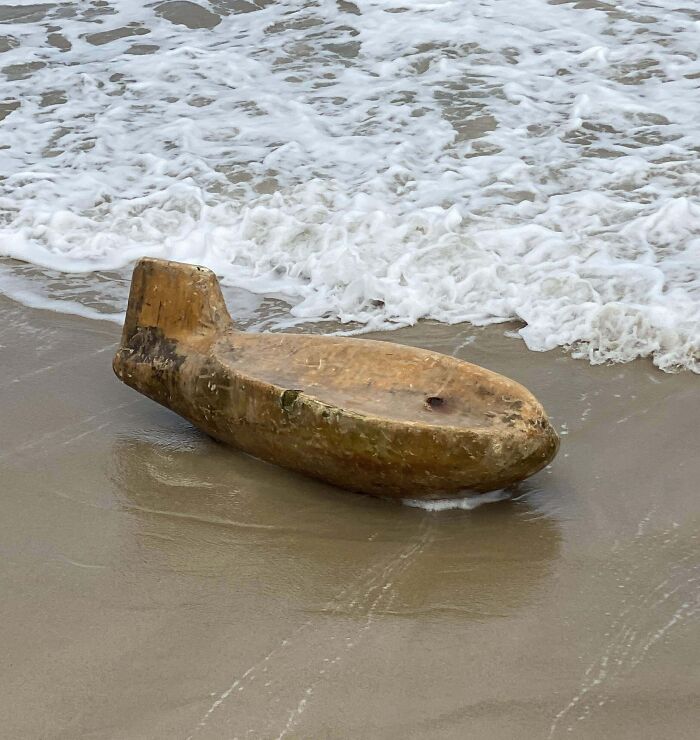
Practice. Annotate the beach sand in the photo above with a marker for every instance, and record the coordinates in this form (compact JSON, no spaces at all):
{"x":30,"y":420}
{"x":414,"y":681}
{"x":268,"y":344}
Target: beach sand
{"x":158,"y":585}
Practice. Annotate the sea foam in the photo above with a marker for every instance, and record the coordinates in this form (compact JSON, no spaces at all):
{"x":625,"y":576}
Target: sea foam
{"x":468,"y":503}
{"x":374,"y":161}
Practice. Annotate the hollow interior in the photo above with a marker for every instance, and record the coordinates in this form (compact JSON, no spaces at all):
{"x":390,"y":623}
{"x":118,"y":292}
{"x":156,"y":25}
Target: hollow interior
{"x":379,"y":379}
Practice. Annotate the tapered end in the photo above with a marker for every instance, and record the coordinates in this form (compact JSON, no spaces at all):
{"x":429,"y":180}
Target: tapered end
{"x":182,"y":301}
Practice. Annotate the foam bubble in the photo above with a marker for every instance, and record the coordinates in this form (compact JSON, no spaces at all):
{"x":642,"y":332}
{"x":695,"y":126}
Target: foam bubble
{"x":374,"y":162}
{"x":467,"y":503}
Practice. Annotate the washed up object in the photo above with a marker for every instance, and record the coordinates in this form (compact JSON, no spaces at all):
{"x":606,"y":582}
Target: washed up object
{"x":369,"y":416}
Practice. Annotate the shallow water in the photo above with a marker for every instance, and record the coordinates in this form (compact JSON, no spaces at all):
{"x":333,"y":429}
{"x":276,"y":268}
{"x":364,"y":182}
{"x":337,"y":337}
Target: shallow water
{"x":371,"y":161}
{"x":157,"y":584}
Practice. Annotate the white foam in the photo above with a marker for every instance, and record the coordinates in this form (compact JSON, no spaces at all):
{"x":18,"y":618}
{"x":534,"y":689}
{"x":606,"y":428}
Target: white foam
{"x":450,"y":161}
{"x":24,"y":290}
{"x":467,"y":503}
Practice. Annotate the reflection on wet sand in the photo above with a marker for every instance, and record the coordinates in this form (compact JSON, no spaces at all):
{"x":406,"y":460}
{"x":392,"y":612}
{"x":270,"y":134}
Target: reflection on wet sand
{"x":345,"y":564}
{"x":156,"y":584}
{"x":468,"y":560}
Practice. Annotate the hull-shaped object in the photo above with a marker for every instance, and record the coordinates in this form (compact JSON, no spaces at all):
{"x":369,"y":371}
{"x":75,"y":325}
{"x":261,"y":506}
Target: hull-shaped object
{"x":369,"y":416}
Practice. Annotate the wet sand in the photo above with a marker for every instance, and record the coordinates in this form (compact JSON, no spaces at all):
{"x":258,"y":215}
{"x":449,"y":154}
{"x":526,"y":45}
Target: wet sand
{"x":156,"y":584}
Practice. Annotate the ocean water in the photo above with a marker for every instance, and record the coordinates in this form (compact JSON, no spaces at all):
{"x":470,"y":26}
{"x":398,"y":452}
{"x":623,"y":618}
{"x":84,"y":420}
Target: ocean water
{"x":375,"y":162}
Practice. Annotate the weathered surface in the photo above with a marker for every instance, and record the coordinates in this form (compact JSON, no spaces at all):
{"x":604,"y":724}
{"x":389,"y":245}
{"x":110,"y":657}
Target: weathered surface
{"x":369,"y":416}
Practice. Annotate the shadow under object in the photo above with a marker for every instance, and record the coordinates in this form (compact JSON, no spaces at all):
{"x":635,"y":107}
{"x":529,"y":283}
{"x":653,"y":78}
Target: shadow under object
{"x":370,"y":416}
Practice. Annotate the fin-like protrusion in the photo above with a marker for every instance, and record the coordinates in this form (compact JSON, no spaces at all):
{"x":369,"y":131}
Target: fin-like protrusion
{"x":183,"y":301}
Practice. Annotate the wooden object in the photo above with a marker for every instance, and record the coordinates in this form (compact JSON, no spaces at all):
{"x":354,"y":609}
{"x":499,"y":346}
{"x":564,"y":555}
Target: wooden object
{"x":369,"y":416}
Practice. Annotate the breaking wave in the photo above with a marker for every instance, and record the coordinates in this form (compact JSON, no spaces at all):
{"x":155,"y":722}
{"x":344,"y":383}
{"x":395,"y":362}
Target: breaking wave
{"x":373,"y":161}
